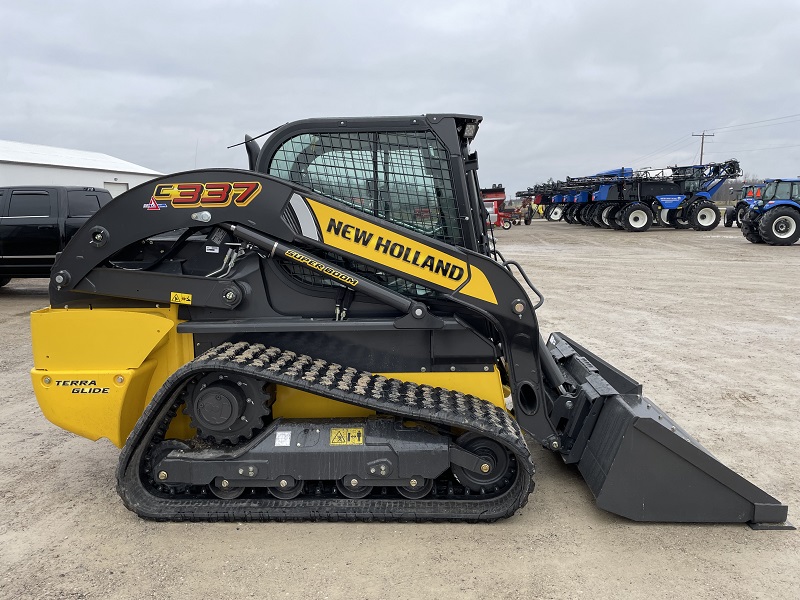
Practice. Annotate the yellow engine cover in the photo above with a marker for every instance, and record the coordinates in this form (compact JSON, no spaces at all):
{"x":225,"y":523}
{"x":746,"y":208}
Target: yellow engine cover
{"x":95,"y":371}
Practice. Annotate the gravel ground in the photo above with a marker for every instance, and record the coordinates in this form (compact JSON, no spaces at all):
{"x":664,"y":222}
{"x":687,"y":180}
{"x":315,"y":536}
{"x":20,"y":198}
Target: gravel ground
{"x":706,"y":321}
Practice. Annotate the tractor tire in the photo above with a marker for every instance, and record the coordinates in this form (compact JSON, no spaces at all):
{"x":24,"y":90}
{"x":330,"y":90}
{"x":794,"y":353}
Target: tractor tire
{"x":557,"y":213}
{"x":614,"y":217}
{"x":527,"y":220}
{"x":750,"y":230}
{"x":636,"y":217}
{"x":606,"y":215}
{"x":675,"y":221}
{"x":730,"y":217}
{"x":597,"y":216}
{"x":4,"y":281}
{"x":582,"y":213}
{"x":705,"y":216}
{"x":588,"y":215}
{"x":780,"y":226}
{"x":569,"y":214}
{"x":741,"y":211}
{"x":591,"y":215}
{"x":506,"y":224}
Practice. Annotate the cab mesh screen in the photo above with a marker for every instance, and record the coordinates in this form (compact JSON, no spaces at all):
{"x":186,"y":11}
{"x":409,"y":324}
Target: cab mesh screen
{"x":400,"y":177}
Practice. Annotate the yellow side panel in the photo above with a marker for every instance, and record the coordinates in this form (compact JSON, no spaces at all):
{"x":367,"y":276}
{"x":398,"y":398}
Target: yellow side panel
{"x":104,"y":409}
{"x":96,"y":370}
{"x":295,"y":404}
{"x":115,"y":339}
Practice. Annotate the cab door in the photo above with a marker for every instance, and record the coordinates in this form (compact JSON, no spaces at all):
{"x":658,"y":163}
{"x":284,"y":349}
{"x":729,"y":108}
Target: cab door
{"x":29,"y":230}
{"x":3,"y":211}
{"x":82,"y":204}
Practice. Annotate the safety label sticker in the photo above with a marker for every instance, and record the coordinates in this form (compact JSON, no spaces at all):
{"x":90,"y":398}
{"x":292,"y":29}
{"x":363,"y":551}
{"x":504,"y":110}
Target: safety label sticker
{"x":179,"y":298}
{"x":351,"y":436}
{"x":283,"y":438}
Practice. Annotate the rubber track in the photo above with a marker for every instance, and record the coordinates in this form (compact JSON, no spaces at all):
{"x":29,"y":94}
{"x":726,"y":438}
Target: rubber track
{"x":345,"y":384}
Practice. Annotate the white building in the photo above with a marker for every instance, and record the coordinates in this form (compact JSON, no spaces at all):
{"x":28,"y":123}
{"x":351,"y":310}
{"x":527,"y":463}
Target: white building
{"x":30,"y":164}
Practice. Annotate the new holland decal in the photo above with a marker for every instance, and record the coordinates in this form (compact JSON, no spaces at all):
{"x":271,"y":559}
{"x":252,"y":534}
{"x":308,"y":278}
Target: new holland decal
{"x":206,"y":195}
{"x":361,"y":238}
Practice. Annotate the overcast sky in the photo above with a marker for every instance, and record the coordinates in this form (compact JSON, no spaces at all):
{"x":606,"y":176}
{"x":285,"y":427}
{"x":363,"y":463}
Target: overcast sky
{"x":565,"y":87}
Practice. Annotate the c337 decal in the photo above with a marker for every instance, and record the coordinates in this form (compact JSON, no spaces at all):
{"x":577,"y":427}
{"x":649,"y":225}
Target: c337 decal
{"x":207,"y":195}
{"x":359,"y":237}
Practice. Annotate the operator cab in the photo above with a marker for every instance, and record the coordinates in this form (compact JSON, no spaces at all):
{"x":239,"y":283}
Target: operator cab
{"x":416,"y":172}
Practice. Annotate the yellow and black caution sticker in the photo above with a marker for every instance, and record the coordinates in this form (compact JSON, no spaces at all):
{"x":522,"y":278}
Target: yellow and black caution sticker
{"x":179,"y":298}
{"x":351,"y":436}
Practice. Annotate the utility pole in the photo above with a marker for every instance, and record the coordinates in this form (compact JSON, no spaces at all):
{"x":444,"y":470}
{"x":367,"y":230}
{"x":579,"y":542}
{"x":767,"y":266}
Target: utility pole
{"x":702,"y":137}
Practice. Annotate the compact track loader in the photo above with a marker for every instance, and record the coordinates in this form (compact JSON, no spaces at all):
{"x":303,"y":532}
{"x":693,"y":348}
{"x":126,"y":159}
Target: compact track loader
{"x":331,"y":334}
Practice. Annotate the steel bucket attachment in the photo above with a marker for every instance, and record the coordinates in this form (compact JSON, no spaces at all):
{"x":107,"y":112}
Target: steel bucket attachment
{"x":639,"y":463}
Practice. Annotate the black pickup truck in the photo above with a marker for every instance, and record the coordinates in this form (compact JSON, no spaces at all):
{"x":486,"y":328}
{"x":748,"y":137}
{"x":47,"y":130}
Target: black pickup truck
{"x":36,"y":222}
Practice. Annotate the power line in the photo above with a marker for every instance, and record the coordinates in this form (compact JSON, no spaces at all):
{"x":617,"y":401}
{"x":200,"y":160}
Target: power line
{"x":657,"y":150}
{"x":754,"y":122}
{"x":754,"y":149}
{"x":690,"y":143}
{"x":657,"y":153}
{"x":760,"y":126}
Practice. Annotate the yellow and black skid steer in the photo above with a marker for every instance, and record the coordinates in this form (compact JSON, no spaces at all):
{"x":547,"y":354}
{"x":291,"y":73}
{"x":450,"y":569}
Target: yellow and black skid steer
{"x":332,"y":335}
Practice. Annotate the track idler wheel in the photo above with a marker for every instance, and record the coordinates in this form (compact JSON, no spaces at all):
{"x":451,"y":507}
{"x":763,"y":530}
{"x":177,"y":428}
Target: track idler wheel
{"x":286,"y":490}
{"x":159,"y":453}
{"x":350,"y":487}
{"x":222,"y":489}
{"x":496,"y":470}
{"x":421,"y":487}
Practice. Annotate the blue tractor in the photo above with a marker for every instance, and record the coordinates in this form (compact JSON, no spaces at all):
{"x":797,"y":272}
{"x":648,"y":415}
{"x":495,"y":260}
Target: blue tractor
{"x":692,"y":206}
{"x":775,"y":218}
{"x":744,"y":202}
{"x":679,"y":197}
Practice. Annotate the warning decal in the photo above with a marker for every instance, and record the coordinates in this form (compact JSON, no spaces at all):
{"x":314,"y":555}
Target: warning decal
{"x":179,"y":298}
{"x":353,"y":436}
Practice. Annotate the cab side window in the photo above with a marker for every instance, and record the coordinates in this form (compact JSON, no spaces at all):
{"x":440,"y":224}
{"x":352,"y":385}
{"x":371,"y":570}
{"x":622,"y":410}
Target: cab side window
{"x":401,"y":177}
{"x":82,"y":204}
{"x":30,"y":203}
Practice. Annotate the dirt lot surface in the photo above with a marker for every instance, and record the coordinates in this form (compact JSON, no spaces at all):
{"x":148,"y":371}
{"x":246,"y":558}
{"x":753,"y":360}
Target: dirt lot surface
{"x":706,"y":321}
